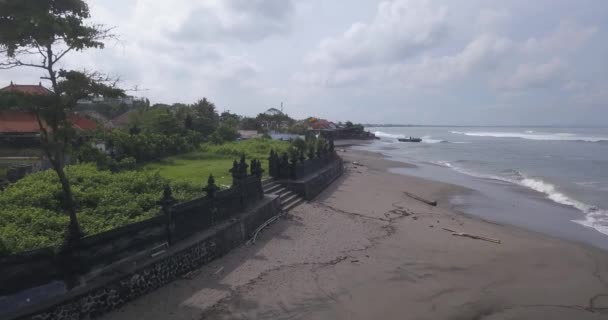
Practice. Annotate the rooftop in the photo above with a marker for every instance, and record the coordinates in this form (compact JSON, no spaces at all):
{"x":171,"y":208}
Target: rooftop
{"x":26,"y":89}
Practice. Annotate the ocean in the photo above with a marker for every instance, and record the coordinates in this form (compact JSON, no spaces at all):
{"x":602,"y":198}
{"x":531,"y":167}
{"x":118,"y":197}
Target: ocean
{"x":552,"y":180}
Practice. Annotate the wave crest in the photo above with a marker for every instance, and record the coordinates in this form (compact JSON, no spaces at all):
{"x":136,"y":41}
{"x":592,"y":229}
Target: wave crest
{"x":532,"y":135}
{"x":595,"y":217}
{"x":381,"y":135}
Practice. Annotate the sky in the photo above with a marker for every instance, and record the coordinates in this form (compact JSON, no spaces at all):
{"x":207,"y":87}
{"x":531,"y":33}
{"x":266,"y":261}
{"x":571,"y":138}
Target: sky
{"x":465,"y":62}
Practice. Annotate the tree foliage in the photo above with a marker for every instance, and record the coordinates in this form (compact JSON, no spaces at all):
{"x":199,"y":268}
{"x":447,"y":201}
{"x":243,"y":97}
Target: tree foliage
{"x":39,"y":34}
{"x":204,"y":117}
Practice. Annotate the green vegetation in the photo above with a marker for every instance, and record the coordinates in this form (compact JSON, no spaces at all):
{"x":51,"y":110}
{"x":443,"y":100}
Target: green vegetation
{"x":31,"y":214}
{"x":195,"y":167}
{"x":51,"y":29}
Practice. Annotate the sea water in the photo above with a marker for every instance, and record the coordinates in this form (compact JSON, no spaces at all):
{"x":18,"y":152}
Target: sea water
{"x":565,"y":166}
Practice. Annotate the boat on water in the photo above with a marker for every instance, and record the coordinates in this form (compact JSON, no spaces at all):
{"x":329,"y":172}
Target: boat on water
{"x":410,"y":139}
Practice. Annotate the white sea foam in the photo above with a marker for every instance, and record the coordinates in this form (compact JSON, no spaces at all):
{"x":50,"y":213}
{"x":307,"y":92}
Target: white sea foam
{"x":532,"y":135}
{"x":429,"y":139}
{"x":391,"y":136}
{"x":595,"y":217}
{"x":386,"y":135}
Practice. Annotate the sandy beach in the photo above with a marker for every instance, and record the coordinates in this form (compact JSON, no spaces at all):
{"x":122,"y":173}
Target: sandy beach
{"x":364,"y":249}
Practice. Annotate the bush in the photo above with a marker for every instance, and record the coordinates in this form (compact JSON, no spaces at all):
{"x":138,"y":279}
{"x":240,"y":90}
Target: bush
{"x":223,"y":133}
{"x":299,"y":144}
{"x":126,"y":149}
{"x":253,"y":148}
{"x":31,"y":210}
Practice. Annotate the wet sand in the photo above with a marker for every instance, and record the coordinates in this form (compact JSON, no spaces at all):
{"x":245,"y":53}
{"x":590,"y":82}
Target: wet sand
{"x":365,"y":250}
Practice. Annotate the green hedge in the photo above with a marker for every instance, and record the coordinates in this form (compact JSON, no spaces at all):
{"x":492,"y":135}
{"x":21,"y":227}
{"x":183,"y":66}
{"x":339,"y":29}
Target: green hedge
{"x":31,"y":215}
{"x":254,"y":148}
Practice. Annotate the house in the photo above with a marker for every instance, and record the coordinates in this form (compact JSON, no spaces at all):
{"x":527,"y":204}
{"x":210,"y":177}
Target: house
{"x":21,"y":126}
{"x":27,"y":89}
{"x":320,"y":124}
{"x":122,"y":121}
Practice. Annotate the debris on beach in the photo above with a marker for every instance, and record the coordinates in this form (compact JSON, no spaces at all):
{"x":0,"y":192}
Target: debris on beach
{"x":472,"y":236}
{"x":413,"y":196}
{"x":192,"y":274}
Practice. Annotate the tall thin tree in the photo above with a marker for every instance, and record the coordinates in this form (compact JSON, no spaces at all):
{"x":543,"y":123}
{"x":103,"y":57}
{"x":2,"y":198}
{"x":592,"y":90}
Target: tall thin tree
{"x":39,"y":34}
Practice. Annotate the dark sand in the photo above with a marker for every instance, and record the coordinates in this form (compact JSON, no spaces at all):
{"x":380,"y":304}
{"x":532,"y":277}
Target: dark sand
{"x":365,"y":250}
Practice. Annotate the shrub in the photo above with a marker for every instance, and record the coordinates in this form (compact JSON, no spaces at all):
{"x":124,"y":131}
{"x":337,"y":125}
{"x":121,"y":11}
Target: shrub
{"x":136,"y":148}
{"x":31,"y":215}
{"x":224,"y":133}
{"x":299,"y":144}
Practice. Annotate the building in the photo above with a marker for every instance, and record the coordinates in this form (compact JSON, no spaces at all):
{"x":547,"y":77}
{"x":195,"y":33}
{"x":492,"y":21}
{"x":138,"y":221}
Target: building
{"x":26,"y":89}
{"x":122,"y":121}
{"x":127,"y":100}
{"x":21,"y":126}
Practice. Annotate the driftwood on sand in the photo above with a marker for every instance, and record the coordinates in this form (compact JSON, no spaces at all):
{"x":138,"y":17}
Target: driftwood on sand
{"x":429,"y":202}
{"x":472,"y":236}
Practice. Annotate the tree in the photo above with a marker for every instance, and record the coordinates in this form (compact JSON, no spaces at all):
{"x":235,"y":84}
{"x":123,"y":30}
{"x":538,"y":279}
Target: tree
{"x":204,"y":117}
{"x":224,"y":133}
{"x":39,"y":34}
{"x":230,"y":119}
{"x":248,"y":123}
{"x":160,"y":120}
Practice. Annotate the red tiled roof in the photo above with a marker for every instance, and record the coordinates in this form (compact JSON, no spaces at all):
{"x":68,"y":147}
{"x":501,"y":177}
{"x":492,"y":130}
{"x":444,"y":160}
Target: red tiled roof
{"x":26,"y":89}
{"x":18,"y":122}
{"x":25,"y":122}
{"x":82,"y":123}
{"x":321,"y":124}
{"x":123,"y":119}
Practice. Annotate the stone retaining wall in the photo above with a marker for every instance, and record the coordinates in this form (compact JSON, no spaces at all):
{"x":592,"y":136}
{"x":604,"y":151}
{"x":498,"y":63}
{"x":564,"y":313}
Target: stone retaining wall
{"x":136,"y":280}
{"x":313,"y":184}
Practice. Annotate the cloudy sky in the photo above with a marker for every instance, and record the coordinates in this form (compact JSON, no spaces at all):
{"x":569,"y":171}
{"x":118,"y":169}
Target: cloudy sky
{"x":394,"y":61}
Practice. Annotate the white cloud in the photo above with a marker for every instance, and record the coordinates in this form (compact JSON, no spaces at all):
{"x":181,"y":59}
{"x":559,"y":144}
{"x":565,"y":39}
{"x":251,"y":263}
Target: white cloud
{"x":584,"y":93}
{"x":400,"y":29}
{"x":251,"y":54}
{"x":492,"y":18}
{"x":482,"y":53}
{"x":530,"y":75}
{"x":245,"y":20}
{"x":567,"y":37}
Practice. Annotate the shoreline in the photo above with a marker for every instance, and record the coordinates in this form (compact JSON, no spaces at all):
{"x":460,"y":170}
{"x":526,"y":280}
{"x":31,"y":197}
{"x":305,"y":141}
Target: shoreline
{"x":551,"y":218}
{"x":362,"y":250}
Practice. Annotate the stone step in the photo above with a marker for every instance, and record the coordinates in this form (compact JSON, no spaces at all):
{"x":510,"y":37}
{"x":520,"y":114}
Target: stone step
{"x":274,"y":188}
{"x":293,"y":204}
{"x":268,"y":182}
{"x":285,"y":201}
{"x":287,"y":193}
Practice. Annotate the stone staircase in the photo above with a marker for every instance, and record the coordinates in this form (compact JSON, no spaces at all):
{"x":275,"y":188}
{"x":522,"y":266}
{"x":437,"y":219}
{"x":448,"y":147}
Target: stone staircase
{"x":289,"y":199}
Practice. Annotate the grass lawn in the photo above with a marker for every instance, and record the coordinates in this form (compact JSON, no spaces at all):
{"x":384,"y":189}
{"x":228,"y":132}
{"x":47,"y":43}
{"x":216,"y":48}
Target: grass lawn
{"x":195,"y":167}
{"x":194,"y":171}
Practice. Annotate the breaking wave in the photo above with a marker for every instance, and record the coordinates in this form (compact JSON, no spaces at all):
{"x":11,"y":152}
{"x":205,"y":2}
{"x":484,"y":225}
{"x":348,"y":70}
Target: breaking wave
{"x":390,"y":136}
{"x":595,"y":217}
{"x":532,"y":135}
{"x":381,"y":135}
{"x":429,"y":139}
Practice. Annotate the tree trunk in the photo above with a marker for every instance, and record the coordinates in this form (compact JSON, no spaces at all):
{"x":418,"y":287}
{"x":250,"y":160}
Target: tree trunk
{"x":55,"y":149}
{"x":73,"y":232}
